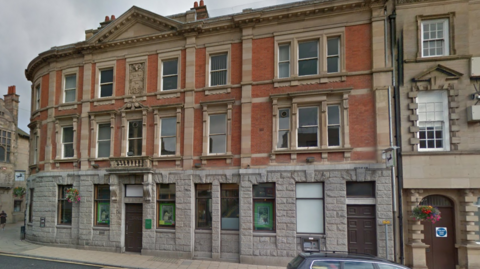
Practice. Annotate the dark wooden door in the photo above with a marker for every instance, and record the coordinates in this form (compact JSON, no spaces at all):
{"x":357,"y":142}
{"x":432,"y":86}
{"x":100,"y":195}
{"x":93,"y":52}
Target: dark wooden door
{"x":441,"y":254}
{"x":133,"y":227}
{"x":362,"y":232}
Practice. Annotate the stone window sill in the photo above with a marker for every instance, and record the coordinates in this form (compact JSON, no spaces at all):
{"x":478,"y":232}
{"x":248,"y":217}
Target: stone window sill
{"x":169,"y":94}
{"x":60,"y":226}
{"x":264,"y":234}
{"x":165,"y":230}
{"x":68,"y":160}
{"x":101,"y":228}
{"x":203,"y":231}
{"x":312,"y":79}
{"x":311,"y":235}
{"x":166,"y":158}
{"x":314,"y":150}
{"x":230,"y":232}
{"x":30,"y":224}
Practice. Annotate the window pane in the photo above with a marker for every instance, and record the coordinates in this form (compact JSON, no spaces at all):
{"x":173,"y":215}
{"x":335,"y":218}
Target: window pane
{"x":103,"y":192}
{"x":106,"y":90}
{"x":284,"y":53}
{"x":218,"y":144}
{"x":218,"y":124}
{"x":135,"y":146}
{"x":104,"y":132}
{"x":309,"y":216}
{"x":17,"y":207}
{"x":308,"y":49}
{"x":67,"y":135}
{"x":333,"y":46}
{"x":169,"y":126}
{"x":71,"y":82}
{"x":334,"y":135}
{"x":170,"y":67}
{"x":135,"y":129}
{"x":307,"y":137}
{"x":166,"y":213}
{"x":103,"y":149}
{"x":360,"y":189}
{"x":333,"y":115}
{"x":358,"y":265}
{"x":264,"y":190}
{"x":309,"y":190}
{"x":103,"y":212}
{"x":218,"y":62}
{"x":204,"y":213}
{"x":284,"y":70}
{"x":106,"y":76}
{"x":284,"y":119}
{"x":230,"y":213}
{"x":169,"y":145}
{"x":65,"y":212}
{"x":325,"y":265}
{"x":170,"y":83}
{"x":70,"y":96}
{"x":282,"y":139}
{"x":218,"y":78}
{"x":307,"y":116}
{"x":166,"y":191}
{"x":68,"y":150}
{"x":2,"y":154}
{"x":307,"y":67}
{"x":332,"y":64}
{"x":263,"y":215}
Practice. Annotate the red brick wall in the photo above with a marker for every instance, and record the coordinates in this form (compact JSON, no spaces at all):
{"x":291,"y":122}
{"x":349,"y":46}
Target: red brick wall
{"x":44,"y":88}
{"x":200,"y":55}
{"x":152,"y":75}
{"x":263,"y":59}
{"x":358,"y":47}
{"x":120,"y":77}
{"x":236,"y":63}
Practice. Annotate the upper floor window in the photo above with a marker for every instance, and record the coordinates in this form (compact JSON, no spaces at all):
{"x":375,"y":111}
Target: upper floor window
{"x":334,"y":126}
{"x":103,"y":140}
{"x":435,"y":38}
{"x":5,"y":146}
{"x":37,"y":97}
{"x":308,"y":58}
{"x":433,"y":120}
{"x":106,"y":82}
{"x":135,"y":138}
{"x":218,"y":69}
{"x":67,"y":142}
{"x":35,"y":149}
{"x":168,"y":136}
{"x":170,"y":75}
{"x":284,"y":60}
{"x":70,"y":88}
{"x":333,"y":55}
{"x":217,"y":134}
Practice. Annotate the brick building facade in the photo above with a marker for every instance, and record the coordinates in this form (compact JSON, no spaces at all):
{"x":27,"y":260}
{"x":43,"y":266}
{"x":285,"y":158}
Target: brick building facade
{"x":232,"y":137}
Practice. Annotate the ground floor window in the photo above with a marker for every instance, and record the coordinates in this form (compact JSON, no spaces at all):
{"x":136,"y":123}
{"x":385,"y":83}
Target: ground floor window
{"x":166,"y":205}
{"x":310,"y":205}
{"x":30,"y":207}
{"x":264,"y":207}
{"x":203,"y":195}
{"x":64,"y":207}
{"x":229,"y":206}
{"x":102,"y":205}
{"x":17,"y":205}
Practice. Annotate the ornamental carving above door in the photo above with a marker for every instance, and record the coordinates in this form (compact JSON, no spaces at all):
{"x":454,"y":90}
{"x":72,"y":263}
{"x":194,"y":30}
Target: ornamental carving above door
{"x":136,"y":78}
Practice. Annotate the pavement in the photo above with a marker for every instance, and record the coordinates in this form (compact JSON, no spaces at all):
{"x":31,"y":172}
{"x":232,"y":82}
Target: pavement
{"x":10,"y":244}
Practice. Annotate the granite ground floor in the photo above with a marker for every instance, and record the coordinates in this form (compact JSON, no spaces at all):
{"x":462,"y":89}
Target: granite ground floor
{"x":453,"y":241}
{"x":257,"y":216}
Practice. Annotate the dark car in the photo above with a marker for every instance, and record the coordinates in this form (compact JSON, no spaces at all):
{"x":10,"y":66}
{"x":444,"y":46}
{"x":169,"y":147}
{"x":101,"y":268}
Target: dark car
{"x":327,"y":260}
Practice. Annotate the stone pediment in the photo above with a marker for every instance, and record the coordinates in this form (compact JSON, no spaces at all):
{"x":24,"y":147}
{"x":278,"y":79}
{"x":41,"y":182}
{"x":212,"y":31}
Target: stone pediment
{"x":437,"y":77}
{"x":133,"y":105}
{"x":136,"y":22}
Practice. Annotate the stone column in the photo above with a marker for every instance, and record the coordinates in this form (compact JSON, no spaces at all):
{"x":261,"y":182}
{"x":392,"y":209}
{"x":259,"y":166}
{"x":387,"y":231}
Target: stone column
{"x":285,"y":214}
{"x":148,"y":243}
{"x":415,"y":248}
{"x":189,"y":102}
{"x":86,"y":210}
{"x":116,"y":216}
{"x":184,"y":219}
{"x":84,"y":132}
{"x":246,"y":97}
{"x":50,"y":120}
{"x":216,"y":227}
{"x":246,"y":218}
{"x":468,"y":250}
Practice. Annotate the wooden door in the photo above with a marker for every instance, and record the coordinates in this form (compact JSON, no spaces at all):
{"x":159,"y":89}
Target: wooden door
{"x":133,"y":227}
{"x":362,"y":232}
{"x":441,"y":254}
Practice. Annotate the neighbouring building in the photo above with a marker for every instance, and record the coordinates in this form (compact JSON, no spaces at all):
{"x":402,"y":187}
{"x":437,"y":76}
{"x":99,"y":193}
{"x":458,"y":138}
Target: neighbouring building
{"x":439,"y":76}
{"x":239,"y":137}
{"x":14,"y":145}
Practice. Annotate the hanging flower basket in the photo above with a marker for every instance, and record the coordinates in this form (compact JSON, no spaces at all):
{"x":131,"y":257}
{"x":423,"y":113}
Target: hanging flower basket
{"x":73,"y":195}
{"x":19,"y":192}
{"x":426,"y":212}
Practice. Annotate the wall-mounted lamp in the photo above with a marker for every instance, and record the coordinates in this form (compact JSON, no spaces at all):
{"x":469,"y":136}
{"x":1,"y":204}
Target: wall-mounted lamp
{"x":310,"y":159}
{"x":95,"y":165}
{"x":198,"y":165}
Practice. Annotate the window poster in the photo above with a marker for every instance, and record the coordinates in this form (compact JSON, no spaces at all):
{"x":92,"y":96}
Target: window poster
{"x":103,"y":213}
{"x":264,"y":216}
{"x":167,"y":214}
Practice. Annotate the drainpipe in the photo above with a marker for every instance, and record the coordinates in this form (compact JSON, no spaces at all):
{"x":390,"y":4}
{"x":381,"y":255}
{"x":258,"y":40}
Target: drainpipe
{"x":398,"y":137}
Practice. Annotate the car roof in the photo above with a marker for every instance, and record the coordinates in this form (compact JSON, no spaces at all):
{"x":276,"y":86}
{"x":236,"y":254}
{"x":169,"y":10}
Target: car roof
{"x":343,"y":255}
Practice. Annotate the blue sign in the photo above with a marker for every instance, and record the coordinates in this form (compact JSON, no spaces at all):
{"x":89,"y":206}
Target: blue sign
{"x":441,"y":231}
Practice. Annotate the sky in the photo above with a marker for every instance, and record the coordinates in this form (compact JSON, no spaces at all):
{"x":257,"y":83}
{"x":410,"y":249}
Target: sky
{"x":29,"y":27}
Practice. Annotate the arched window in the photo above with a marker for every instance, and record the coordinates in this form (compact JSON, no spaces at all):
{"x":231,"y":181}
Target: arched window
{"x":436,"y":200}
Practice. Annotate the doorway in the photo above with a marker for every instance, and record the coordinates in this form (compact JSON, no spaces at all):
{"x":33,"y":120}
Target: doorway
{"x":441,"y":253}
{"x":133,"y":227}
{"x":362,"y":232}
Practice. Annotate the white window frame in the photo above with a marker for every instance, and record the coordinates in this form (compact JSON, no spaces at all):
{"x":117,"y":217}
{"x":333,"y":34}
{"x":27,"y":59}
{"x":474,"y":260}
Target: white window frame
{"x":339,"y":125}
{"x":129,"y":139}
{"x":285,"y":61}
{"x":98,"y":140}
{"x":70,"y":89}
{"x":318,"y":126}
{"x":339,"y":38}
{"x":227,"y":73}
{"x":446,"y":37}
{"x":321,"y":198}
{"x":160,"y":136}
{"x":35,"y":149}
{"x":289,"y":130}
{"x":162,"y":76}
{"x":445,"y":120}
{"x":38,"y":90}
{"x":63,"y":143}
{"x":100,"y":84}
{"x":225,"y":134}
{"x":213,"y":51}
{"x":307,"y":59}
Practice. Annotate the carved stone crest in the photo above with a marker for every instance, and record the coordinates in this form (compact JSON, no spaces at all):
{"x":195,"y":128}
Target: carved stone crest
{"x":136,"y":78}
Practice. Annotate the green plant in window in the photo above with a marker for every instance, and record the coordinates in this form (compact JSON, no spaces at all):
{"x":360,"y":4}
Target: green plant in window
{"x":19,"y":192}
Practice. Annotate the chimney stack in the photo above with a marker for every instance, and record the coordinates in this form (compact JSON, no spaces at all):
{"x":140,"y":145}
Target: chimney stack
{"x":11,"y":101}
{"x":200,"y":10}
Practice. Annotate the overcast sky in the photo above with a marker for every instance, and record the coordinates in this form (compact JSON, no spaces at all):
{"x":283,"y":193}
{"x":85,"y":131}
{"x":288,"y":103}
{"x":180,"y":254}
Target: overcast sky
{"x":28,"y":28}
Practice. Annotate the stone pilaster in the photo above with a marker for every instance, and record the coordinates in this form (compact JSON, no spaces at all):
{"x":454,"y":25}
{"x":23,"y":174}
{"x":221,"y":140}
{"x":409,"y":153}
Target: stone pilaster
{"x":246,"y":96}
{"x":335,"y":211}
{"x":286,"y":216}
{"x":86,"y":214}
{"x":149,"y":208}
{"x":415,"y":248}
{"x":216,"y":226}
{"x":83,"y":134}
{"x":116,"y":212}
{"x":246,"y":218}
{"x":189,"y":102}
{"x":468,"y":250}
{"x":184,"y":219}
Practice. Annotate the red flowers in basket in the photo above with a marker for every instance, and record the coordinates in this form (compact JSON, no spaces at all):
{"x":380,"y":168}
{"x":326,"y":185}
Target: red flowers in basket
{"x":426,"y":212}
{"x":73,"y":195}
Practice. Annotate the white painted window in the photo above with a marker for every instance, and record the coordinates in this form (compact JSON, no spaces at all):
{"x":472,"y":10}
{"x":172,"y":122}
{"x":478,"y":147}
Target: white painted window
{"x":218,"y":69}
{"x":170,"y":75}
{"x":310,"y":210}
{"x":67,"y":142}
{"x":433,"y":121}
{"x":284,"y":61}
{"x":334,"y":125}
{"x":103,"y":140}
{"x":333,"y":55}
{"x":168,"y":136}
{"x":308,"y":58}
{"x":70,"y":88}
{"x":307,"y":130}
{"x":35,"y":150}
{"x":283,"y":128}
{"x":106,"y":82}
{"x":135,"y":138}
{"x":37,"y":95}
{"x":435,"y":38}
{"x":217,"y":134}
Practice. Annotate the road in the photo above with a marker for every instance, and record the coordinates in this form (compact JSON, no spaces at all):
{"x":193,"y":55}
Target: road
{"x":16,"y":262}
